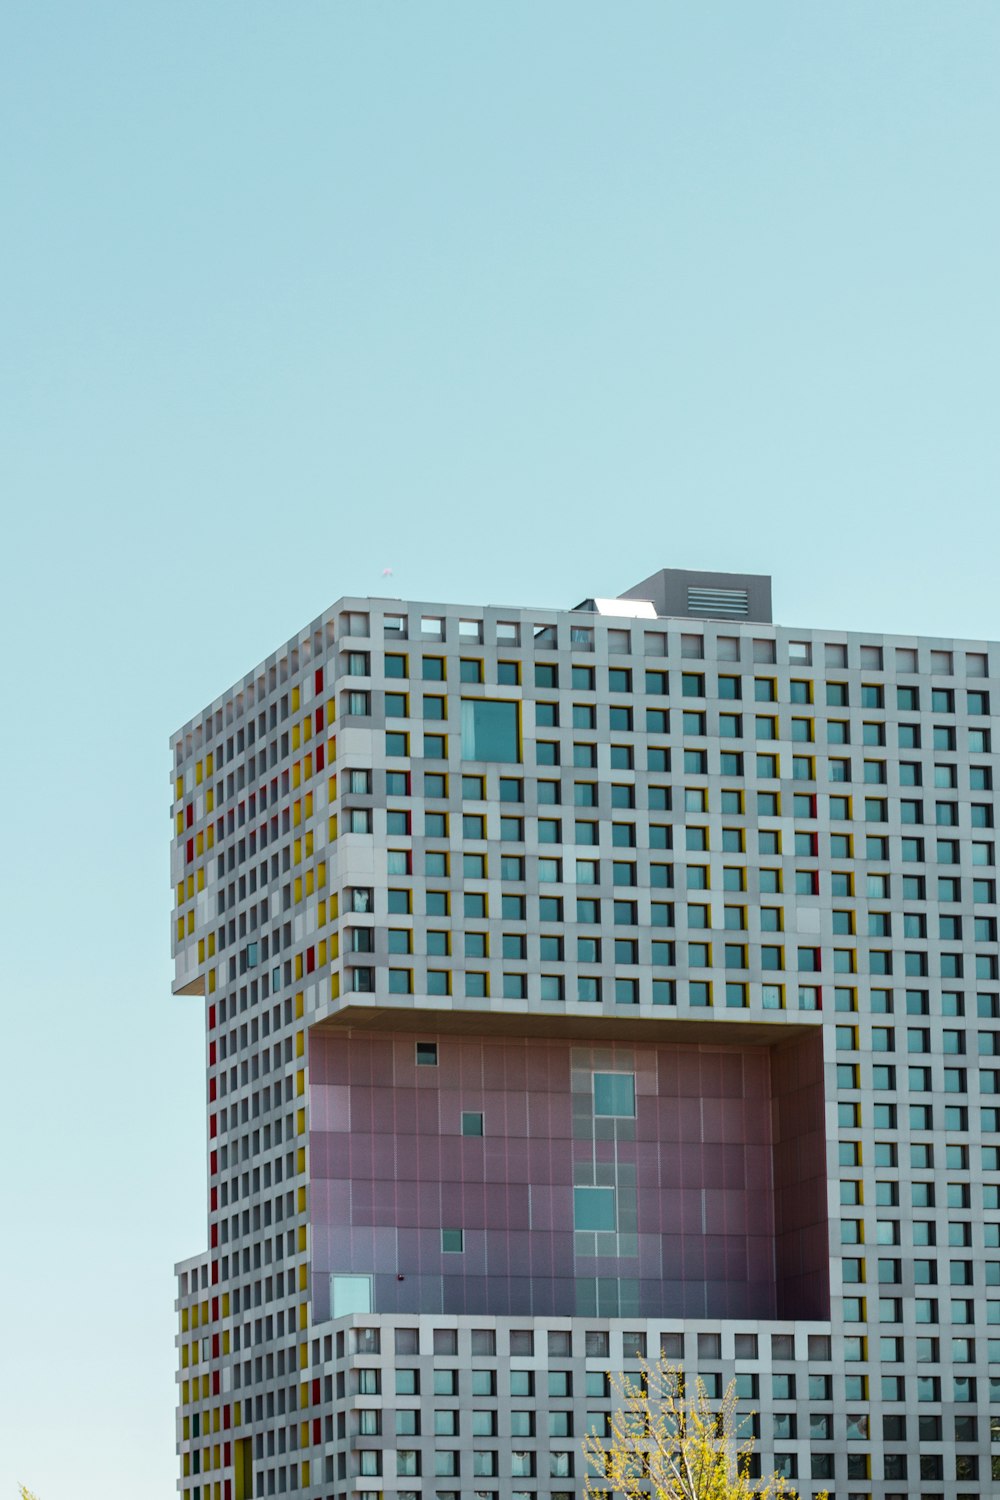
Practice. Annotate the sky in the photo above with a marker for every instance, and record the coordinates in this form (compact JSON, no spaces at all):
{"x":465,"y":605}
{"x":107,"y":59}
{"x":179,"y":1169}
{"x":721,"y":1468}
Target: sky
{"x":520,"y":300}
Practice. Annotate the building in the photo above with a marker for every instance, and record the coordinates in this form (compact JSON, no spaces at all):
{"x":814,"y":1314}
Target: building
{"x":580,"y":984}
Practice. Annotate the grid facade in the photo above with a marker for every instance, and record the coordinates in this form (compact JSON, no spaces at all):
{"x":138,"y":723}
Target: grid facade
{"x":579,"y":983}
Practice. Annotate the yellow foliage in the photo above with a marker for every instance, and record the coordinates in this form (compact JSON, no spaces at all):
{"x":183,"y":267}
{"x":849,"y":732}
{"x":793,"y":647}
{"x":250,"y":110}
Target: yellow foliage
{"x":671,"y":1443}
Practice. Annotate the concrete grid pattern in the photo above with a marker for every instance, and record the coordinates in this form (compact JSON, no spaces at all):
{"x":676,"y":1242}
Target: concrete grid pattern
{"x":711,"y":834}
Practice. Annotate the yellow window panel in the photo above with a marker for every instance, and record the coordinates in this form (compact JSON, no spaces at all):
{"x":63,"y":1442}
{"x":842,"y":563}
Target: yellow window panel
{"x":310,"y":882}
{"x":300,"y":1005}
{"x":303,"y":1356}
{"x":180,"y":893}
{"x":201,"y":950}
{"x":331,"y":788}
{"x":225,"y":1341}
{"x":225,"y":1304}
{"x":237,"y":1409}
{"x":306,"y":1472}
{"x":321,"y":953}
{"x":297,"y":851}
{"x":309,"y":842}
{"x":187,"y":1465}
{"x":190,"y":887}
{"x":300,"y":1159}
{"x":331,"y":749}
{"x":331,"y":831}
{"x":334,"y":902}
{"x":190,"y":923}
{"x":300,"y":1122}
{"x":321,"y":874}
{"x":298,"y":889}
{"x":204,"y":1387}
{"x":211,"y":835}
{"x":216,"y":1420}
{"x":303,"y":1316}
{"x":297,"y":773}
{"x":210,"y":800}
{"x":295,"y":698}
{"x":186,"y":1428}
{"x":198,"y":771}
{"x":199,"y":842}
{"x":184,"y":1320}
{"x":334,"y":986}
{"x":180,"y":823}
{"x":180,"y":929}
{"x":300,"y":1044}
{"x":297,"y":812}
{"x":209,"y":763}
{"x":201,"y":876}
{"x":301,"y":1201}
{"x":300,"y":1239}
{"x":321,"y":914}
{"x":303,"y":1275}
{"x":185,"y":1393}
{"x":304,"y":1395}
{"x":303,"y":1434}
{"x":178,"y":788}
{"x":298,"y":961}
{"x":185,"y":1357}
{"x":309,"y":804}
{"x":307,"y":728}
{"x":296,"y":737}
{"x":211,"y":981}
{"x":300,"y":1081}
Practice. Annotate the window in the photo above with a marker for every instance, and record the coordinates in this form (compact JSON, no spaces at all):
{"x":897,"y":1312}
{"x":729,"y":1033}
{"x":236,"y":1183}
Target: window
{"x":594,"y":1208}
{"x":490,"y":730}
{"x":427,"y":1054}
{"x":614,"y":1094}
{"x":350,"y":1294}
{"x":452,"y":1240}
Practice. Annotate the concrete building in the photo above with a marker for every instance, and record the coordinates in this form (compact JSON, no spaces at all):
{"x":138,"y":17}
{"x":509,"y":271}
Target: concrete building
{"x":581,"y":984}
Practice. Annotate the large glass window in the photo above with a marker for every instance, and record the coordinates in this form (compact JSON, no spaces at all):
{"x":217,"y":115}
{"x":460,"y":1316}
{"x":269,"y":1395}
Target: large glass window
{"x":490,"y":730}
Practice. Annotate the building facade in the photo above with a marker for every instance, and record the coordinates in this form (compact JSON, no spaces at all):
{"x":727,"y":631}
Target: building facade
{"x":579,"y":986}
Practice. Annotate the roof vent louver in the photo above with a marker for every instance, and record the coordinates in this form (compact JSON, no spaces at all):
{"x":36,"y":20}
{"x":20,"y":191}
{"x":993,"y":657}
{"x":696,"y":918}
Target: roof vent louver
{"x":726,"y":604}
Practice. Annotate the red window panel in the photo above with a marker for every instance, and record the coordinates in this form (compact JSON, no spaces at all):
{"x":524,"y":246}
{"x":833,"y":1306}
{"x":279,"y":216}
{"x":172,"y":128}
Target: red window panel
{"x":215,"y":1273}
{"x":318,"y":680}
{"x":310,"y":960}
{"x":215,"y":1237}
{"x":216,"y":1383}
{"x":189,"y":815}
{"x":319,"y":719}
{"x":211,"y":1054}
{"x":212,"y":1090}
{"x":213,"y":1199}
{"x":317,"y":1430}
{"x":213,"y":1163}
{"x":215,"y":1309}
{"x":215,"y":1346}
{"x":190,"y":852}
{"x":213,"y":1125}
{"x":316,"y":1393}
{"x":320,"y":758}
{"x":211,"y":1016}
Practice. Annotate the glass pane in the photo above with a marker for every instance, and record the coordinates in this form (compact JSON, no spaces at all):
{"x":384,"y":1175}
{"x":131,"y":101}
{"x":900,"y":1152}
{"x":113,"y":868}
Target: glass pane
{"x":490,"y":730}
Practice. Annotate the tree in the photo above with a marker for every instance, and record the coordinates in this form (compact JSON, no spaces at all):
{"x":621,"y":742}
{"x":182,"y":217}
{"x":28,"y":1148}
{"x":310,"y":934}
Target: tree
{"x":25,"y":1493}
{"x":669,"y":1441}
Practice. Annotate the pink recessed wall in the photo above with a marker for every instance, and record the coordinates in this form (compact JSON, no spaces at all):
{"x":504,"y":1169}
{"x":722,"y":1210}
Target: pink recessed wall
{"x":720,"y":1178}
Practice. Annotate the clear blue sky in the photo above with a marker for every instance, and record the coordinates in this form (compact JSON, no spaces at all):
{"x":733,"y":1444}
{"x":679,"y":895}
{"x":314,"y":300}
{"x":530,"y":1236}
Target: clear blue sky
{"x":521,"y":300}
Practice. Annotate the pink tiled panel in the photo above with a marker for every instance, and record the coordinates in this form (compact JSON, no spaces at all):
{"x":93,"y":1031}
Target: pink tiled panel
{"x":727,"y":1154}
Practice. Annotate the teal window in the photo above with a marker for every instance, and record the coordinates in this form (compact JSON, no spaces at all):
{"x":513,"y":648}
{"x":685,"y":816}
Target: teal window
{"x":453,"y":1240}
{"x":490,"y":730}
{"x":594,"y":1208}
{"x":472,"y":1123}
{"x":614,"y":1094}
{"x":350,"y":1294}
